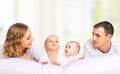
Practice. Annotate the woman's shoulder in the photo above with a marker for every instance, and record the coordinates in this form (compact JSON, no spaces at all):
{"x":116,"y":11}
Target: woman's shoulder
{"x":1,"y":51}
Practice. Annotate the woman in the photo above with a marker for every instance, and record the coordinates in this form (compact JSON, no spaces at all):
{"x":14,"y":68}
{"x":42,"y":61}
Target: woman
{"x":18,"y":40}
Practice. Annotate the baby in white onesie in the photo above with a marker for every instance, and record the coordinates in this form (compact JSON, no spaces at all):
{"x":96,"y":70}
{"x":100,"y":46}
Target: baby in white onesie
{"x":71,"y":52}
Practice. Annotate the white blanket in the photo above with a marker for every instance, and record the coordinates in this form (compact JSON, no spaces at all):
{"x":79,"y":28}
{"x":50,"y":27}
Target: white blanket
{"x":107,"y":64}
{"x":52,"y":69}
{"x":19,"y":66}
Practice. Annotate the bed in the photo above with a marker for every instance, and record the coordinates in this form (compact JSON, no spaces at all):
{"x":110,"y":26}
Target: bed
{"x":107,"y":64}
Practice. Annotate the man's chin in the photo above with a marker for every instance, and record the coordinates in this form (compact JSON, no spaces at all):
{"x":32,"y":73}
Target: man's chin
{"x":29,"y":47}
{"x":95,"y":45}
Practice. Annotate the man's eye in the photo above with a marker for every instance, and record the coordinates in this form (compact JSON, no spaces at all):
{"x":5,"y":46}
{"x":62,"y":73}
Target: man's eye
{"x":98,"y":35}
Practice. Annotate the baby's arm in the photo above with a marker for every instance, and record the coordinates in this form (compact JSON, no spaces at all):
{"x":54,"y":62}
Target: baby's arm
{"x":82,"y":57}
{"x":44,"y":62}
{"x":55,"y":63}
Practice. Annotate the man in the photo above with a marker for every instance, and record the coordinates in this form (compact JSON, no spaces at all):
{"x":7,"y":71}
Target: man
{"x":101,"y":42}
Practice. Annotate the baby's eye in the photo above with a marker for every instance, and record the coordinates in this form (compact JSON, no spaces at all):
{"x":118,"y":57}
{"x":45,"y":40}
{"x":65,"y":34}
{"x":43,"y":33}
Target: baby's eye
{"x":69,"y":47}
{"x":50,"y":41}
{"x":65,"y":46}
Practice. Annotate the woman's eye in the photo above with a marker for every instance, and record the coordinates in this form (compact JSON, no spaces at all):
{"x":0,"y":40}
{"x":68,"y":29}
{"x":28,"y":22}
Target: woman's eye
{"x":56,"y":41}
{"x":28,"y":38}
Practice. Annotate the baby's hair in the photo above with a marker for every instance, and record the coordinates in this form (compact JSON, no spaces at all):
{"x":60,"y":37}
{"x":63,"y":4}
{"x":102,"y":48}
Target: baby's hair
{"x":48,"y":37}
{"x":78,"y":45}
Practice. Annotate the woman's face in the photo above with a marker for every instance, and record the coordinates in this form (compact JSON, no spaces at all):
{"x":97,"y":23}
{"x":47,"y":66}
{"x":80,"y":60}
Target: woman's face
{"x":27,"y":39}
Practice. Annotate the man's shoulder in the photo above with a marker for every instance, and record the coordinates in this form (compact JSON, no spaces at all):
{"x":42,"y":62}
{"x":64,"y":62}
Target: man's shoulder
{"x":115,"y":42}
{"x":88,"y":43}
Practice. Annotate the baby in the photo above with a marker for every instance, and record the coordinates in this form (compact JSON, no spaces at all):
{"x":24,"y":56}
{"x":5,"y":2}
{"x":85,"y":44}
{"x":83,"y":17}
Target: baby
{"x":52,"y":47}
{"x":72,"y":52}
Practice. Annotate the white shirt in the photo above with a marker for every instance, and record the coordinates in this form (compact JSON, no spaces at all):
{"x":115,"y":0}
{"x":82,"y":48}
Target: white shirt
{"x":1,"y":51}
{"x":69,"y":59}
{"x":44,"y":58}
{"x":90,"y":51}
{"x":35,"y":52}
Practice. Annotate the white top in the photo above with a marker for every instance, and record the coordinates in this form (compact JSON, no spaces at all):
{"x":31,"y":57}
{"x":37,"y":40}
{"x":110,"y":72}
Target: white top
{"x":35,"y":52}
{"x":68,"y":60}
{"x":89,"y":49}
{"x":1,"y":52}
{"x":44,"y":58}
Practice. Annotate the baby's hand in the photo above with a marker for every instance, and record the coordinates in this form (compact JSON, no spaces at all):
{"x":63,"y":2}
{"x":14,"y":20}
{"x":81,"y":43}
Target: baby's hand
{"x":81,"y":58}
{"x":44,"y":62}
{"x":55,"y":63}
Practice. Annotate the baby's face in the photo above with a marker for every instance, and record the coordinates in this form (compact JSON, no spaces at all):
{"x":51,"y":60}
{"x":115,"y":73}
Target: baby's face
{"x":71,"y":49}
{"x":52,"y":43}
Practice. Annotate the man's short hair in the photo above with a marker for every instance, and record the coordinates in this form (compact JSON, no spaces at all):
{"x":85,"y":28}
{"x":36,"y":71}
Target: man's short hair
{"x":108,"y":27}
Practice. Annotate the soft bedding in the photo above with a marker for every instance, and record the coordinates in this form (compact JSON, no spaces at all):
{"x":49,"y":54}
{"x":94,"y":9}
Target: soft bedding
{"x":52,"y":69}
{"x":107,"y":64}
{"x":19,"y":66}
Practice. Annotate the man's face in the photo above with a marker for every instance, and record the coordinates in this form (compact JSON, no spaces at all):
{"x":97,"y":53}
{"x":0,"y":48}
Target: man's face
{"x":99,"y":37}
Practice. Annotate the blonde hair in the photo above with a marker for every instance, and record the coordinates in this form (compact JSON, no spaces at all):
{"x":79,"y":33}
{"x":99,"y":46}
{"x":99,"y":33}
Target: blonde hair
{"x":48,"y":38}
{"x":12,"y":45}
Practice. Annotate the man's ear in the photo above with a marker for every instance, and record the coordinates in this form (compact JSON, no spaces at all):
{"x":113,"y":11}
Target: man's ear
{"x":109,"y":36}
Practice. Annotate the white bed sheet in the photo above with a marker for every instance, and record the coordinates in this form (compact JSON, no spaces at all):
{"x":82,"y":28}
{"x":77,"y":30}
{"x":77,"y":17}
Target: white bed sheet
{"x":107,"y":64}
{"x":52,"y":69}
{"x":20,"y":66}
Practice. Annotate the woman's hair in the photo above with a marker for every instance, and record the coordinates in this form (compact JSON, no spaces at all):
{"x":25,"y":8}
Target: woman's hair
{"x":12,"y":45}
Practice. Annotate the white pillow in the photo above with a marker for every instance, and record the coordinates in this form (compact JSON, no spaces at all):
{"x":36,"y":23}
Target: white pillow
{"x":19,"y":66}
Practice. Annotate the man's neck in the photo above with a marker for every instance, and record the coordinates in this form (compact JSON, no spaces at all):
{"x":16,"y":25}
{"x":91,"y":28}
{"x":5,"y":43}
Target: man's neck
{"x":105,"y":48}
